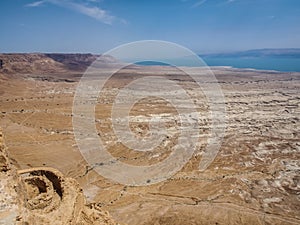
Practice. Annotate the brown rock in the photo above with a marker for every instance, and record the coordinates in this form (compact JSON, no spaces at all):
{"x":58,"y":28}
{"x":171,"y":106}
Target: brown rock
{"x":43,"y":196}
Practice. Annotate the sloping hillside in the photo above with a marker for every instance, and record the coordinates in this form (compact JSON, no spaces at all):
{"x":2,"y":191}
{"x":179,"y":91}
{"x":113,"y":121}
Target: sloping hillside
{"x":54,"y":63}
{"x":43,"y":196}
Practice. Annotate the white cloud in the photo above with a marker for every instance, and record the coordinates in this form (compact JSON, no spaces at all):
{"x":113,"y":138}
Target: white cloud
{"x":197,"y":4}
{"x":86,"y":9}
{"x":92,"y":11}
{"x":35,"y":4}
{"x":227,"y":2}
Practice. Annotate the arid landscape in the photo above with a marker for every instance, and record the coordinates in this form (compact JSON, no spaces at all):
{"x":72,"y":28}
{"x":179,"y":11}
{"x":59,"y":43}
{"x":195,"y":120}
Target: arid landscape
{"x":254,"y":179}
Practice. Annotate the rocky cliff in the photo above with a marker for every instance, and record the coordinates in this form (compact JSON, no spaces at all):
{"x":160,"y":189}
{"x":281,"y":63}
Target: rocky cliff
{"x":43,"y":196}
{"x":33,"y":63}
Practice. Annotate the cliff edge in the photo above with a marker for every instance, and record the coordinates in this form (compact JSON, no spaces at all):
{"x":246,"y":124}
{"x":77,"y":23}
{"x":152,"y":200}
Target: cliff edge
{"x":43,"y":196}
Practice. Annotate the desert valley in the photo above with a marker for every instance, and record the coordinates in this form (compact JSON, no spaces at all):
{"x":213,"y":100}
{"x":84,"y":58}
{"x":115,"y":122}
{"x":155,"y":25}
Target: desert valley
{"x":254,"y":178}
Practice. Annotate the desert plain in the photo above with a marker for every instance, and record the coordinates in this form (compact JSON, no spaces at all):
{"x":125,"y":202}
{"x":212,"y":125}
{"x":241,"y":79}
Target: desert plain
{"x":254,"y":178}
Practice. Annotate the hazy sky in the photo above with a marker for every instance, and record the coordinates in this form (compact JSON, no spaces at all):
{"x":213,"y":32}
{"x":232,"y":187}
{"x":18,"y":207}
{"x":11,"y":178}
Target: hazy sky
{"x":99,"y":25}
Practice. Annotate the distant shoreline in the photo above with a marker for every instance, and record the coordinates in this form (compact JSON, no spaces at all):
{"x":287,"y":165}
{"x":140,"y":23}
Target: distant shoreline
{"x":281,"y":64}
{"x":262,"y":64}
{"x":80,"y":62}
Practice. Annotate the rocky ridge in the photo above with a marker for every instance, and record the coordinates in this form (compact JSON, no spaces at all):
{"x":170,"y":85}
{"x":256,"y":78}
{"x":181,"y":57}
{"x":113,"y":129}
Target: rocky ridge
{"x":47,"y":63}
{"x":43,"y":196}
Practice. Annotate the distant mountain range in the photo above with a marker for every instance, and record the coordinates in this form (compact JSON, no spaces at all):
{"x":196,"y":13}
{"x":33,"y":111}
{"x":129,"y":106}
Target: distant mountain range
{"x":47,"y":63}
{"x":284,"y":52}
{"x":62,"y":63}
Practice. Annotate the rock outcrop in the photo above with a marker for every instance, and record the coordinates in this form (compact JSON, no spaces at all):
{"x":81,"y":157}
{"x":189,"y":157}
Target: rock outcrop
{"x":54,"y":63}
{"x":43,"y":196}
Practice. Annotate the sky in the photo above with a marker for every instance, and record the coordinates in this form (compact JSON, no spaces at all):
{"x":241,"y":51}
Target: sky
{"x":96,"y":26}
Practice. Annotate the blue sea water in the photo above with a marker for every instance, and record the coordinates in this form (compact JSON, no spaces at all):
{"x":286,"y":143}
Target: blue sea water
{"x":260,"y":63}
{"x":285,"y":64}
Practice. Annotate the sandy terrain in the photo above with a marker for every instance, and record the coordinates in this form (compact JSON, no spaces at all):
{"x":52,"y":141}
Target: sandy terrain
{"x":253,"y":180}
